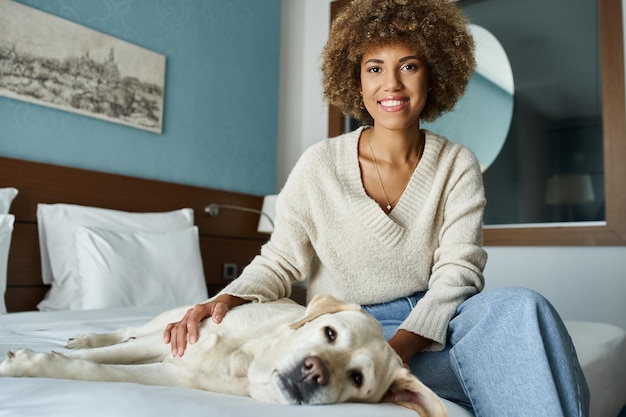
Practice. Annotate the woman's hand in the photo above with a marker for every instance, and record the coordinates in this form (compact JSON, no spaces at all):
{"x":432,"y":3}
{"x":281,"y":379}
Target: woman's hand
{"x":408,"y":344}
{"x":177,"y":334}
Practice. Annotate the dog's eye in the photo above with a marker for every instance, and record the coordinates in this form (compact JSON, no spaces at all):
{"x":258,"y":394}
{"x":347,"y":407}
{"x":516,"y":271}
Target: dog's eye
{"x":356,"y":377}
{"x":330,"y":333}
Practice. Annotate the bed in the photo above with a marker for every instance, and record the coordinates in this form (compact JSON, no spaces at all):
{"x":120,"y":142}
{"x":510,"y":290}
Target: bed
{"x":229,"y":239}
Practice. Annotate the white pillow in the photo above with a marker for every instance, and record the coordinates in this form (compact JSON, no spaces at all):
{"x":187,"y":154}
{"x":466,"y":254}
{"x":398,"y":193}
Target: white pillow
{"x":144,"y":269}
{"x":6,"y":197}
{"x":6,"y":229}
{"x":57,"y":225}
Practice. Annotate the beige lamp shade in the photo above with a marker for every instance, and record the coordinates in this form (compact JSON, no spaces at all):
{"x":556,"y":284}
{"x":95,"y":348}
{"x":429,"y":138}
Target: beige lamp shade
{"x":569,"y":189}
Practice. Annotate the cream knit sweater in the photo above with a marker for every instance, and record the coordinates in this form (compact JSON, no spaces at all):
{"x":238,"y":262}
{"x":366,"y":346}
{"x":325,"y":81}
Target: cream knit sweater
{"x":329,"y":231}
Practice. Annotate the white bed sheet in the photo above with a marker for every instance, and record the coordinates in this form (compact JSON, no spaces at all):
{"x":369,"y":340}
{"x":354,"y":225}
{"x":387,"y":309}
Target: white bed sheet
{"x":601,"y":349}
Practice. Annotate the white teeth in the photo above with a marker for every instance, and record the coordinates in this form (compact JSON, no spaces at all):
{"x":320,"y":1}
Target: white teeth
{"x":391,"y":103}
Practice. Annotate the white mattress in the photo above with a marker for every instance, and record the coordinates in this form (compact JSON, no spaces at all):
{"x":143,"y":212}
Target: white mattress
{"x":602,"y":349}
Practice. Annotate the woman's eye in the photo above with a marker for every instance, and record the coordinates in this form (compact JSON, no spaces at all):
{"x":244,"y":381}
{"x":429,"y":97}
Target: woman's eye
{"x":373,"y":70}
{"x":357,"y":378}
{"x":330,"y":333}
{"x":410,"y":67}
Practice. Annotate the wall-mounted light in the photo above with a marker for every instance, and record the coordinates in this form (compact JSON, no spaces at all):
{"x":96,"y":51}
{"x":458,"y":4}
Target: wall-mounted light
{"x":266,"y":214}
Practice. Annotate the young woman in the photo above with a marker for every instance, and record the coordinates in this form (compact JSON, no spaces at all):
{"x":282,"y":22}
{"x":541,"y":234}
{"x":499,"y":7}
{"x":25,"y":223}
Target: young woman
{"x":390,"y":216}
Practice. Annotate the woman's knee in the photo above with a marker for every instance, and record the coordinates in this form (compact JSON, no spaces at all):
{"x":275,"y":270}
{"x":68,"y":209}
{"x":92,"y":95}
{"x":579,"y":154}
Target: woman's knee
{"x":499,"y":311}
{"x":506,"y":303}
{"x":514,"y":297}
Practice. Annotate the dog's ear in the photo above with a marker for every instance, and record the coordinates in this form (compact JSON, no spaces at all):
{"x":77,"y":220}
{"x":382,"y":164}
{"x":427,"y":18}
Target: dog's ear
{"x":408,"y":391}
{"x":323,"y":304}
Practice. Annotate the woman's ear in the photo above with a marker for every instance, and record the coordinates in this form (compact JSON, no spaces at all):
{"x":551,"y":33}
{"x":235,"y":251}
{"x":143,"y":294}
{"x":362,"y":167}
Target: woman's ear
{"x":408,"y":391}
{"x":323,"y":304}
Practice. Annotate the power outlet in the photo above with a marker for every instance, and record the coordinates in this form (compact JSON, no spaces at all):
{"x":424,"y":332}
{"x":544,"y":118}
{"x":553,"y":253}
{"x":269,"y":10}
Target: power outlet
{"x":229,"y":271}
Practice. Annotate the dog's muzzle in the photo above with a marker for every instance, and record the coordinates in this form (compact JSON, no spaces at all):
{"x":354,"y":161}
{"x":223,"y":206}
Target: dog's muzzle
{"x":301,"y":384}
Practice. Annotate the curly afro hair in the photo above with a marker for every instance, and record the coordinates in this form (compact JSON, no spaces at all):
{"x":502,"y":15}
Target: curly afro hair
{"x":436,"y":29}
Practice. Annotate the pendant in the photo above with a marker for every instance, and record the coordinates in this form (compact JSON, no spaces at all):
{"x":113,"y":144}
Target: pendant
{"x":388,"y":207}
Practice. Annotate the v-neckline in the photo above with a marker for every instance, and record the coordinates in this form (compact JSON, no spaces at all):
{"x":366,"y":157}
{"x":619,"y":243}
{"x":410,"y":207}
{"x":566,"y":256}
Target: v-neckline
{"x":388,"y":227}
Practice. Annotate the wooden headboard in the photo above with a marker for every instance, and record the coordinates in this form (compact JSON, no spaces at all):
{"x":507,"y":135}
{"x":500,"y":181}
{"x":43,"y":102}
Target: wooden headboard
{"x":230,"y":237}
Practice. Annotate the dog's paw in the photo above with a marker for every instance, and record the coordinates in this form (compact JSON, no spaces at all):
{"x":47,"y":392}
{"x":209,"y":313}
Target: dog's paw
{"x":24,"y":362}
{"x":79,"y":342}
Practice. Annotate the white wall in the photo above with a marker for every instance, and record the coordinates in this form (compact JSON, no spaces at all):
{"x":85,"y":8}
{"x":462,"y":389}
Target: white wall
{"x":584,"y":283}
{"x":303,"y":116}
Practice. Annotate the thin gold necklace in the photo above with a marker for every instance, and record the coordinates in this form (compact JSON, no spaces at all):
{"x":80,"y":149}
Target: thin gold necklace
{"x":390,"y":203}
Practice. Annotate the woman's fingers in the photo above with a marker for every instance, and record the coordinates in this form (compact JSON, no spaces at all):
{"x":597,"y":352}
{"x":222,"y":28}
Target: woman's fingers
{"x":167,"y":333}
{"x":178,"y":334}
{"x":187,"y":330}
{"x":219,"y":312}
{"x":194,"y":317}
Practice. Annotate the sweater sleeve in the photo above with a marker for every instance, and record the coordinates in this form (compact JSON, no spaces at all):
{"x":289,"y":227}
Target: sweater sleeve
{"x":459,"y":258}
{"x":287,"y":256}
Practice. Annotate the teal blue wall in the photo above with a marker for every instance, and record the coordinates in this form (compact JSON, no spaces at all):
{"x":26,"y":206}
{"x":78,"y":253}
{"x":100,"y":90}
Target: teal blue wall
{"x":221,"y":96}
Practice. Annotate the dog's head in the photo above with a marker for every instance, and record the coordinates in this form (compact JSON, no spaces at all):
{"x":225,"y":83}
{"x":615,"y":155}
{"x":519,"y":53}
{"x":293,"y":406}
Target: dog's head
{"x":337,"y":353}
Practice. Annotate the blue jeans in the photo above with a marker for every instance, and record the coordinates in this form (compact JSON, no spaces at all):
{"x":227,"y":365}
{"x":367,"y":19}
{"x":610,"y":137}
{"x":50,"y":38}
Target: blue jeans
{"x":507,"y":354}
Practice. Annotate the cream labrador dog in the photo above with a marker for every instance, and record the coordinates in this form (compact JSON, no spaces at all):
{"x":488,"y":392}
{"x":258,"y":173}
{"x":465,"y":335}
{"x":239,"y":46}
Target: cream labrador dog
{"x":277,"y":352}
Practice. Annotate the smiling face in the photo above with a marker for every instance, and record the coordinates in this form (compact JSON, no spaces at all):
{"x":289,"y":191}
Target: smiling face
{"x":394,"y":85}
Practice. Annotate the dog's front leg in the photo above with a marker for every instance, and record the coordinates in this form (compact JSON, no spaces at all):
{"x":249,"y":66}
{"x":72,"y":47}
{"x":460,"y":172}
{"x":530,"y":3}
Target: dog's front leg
{"x":26,"y":363}
{"x":95,"y":340}
{"x":147,"y":349}
{"x":156,"y":325}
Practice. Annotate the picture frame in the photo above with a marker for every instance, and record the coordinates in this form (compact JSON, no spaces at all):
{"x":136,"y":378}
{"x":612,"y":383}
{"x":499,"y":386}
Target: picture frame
{"x":50,"y":61}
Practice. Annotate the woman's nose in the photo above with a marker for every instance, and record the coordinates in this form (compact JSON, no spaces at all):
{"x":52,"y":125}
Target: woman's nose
{"x":392,"y":81}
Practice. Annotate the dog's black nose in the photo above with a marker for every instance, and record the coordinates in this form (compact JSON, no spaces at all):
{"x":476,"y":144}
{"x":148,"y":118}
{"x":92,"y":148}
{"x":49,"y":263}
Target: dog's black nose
{"x":314,"y":371}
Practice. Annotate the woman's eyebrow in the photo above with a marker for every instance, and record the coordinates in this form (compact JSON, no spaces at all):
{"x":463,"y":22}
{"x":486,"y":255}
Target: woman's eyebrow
{"x":407,"y":58}
{"x":403,"y":59}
